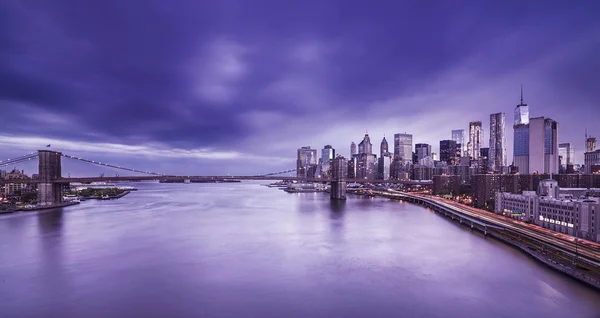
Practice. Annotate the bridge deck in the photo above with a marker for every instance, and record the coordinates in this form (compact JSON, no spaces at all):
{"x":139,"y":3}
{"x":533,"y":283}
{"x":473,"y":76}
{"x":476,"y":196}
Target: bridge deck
{"x":210,"y":178}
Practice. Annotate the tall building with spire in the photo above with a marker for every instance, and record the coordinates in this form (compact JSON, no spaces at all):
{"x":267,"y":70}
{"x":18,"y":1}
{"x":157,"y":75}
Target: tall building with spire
{"x":366,"y":160}
{"x":521,"y":137}
{"x":497,"y":146}
{"x":591,"y":157}
{"x":384,"y":162}
{"x":365,"y":146}
{"x":383,"y":148}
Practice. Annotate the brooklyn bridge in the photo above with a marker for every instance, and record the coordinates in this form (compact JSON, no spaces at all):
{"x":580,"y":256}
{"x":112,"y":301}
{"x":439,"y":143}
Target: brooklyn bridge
{"x":50,"y":182}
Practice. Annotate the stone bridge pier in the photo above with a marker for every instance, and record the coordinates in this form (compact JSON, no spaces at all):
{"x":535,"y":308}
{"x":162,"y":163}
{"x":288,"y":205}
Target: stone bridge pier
{"x":49,"y":192}
{"x":338,"y":178}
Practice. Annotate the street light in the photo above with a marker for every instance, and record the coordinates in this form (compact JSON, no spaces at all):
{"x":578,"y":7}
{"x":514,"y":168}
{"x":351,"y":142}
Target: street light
{"x":576,"y":251}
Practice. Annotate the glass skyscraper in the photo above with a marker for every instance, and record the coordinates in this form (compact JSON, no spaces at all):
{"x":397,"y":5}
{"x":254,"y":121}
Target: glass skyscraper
{"x":422,"y":150}
{"x":521,"y":137}
{"x":458,"y":135}
{"x":307,"y":159}
{"x":497,"y":146}
{"x":566,"y":155}
{"x":475,"y":140}
{"x":403,"y":148}
{"x":327,"y":154}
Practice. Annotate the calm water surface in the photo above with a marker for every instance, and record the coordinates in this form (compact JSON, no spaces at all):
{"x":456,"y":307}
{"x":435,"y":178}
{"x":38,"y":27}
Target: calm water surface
{"x":243,"y":250}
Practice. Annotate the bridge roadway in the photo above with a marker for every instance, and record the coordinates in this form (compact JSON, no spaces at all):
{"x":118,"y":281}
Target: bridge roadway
{"x":589,"y":253}
{"x":215,"y":178}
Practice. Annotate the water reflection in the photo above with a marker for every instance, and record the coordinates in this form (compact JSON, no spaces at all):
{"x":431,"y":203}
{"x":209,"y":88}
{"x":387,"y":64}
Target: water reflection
{"x":266,"y":254}
{"x":337,"y":208}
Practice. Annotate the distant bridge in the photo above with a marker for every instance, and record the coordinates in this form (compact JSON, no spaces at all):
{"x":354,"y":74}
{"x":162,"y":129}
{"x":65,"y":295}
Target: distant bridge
{"x":50,"y":180}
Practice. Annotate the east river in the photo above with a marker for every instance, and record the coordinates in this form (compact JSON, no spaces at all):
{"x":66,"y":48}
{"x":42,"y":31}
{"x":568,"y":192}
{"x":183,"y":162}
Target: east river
{"x":245,"y":250}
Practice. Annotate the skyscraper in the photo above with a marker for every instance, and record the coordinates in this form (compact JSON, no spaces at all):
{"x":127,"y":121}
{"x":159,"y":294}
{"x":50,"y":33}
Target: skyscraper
{"x":403,"y":148}
{"x":422,"y":150}
{"x":327,"y":154}
{"x":307,"y":160}
{"x":458,"y":135}
{"x":475,"y":140}
{"x":497,"y":146}
{"x":366,"y":163}
{"x":543,"y":145}
{"x":365,"y":146}
{"x":352,"y":149}
{"x":383,"y":148}
{"x":566,"y":155}
{"x":449,"y":152}
{"x":521,"y":137}
{"x":550,"y":146}
{"x":590,"y":143}
{"x":384,"y":162}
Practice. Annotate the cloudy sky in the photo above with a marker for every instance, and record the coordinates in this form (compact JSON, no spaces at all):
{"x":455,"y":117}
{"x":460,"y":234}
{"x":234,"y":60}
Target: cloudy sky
{"x":217,"y":87}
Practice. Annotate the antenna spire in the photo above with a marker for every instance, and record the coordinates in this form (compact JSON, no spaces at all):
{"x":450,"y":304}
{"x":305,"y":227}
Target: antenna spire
{"x":521,"y":94}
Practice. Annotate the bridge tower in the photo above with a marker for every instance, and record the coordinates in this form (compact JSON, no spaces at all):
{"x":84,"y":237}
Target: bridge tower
{"x":49,"y":192}
{"x":338,"y":178}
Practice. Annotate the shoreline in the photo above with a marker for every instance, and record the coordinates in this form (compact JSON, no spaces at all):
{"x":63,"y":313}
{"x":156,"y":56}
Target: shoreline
{"x":542,"y":258}
{"x":62,"y":205}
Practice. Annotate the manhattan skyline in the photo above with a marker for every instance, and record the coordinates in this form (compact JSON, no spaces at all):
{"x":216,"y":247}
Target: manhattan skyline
{"x":217,"y":86}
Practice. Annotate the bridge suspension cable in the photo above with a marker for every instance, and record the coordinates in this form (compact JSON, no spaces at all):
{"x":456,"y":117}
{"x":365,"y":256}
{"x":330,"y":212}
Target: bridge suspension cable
{"x":277,"y":173}
{"x":112,"y":166}
{"x":17,"y":160}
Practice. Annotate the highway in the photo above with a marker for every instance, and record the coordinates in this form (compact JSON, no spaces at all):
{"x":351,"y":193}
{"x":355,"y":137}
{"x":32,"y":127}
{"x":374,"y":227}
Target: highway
{"x":587,"y":250}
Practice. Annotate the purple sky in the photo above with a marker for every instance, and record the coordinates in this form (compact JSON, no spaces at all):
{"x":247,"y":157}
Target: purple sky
{"x":217,"y":87}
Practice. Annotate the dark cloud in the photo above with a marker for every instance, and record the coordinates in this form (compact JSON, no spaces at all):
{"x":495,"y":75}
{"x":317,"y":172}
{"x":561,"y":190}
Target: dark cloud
{"x":227,"y":74}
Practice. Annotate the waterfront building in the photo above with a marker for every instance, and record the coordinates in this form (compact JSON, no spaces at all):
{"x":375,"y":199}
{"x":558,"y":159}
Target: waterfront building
{"x":449,"y":152}
{"x":566,"y":156}
{"x":422,"y":151}
{"x":475,"y":140}
{"x":352,"y":164}
{"x":553,"y":210}
{"x":327,"y":154}
{"x":497,"y":145}
{"x":16,"y":181}
{"x":485,"y":187}
{"x":458,"y":135}
{"x":403,"y":148}
{"x":521,"y":137}
{"x":306,"y":162}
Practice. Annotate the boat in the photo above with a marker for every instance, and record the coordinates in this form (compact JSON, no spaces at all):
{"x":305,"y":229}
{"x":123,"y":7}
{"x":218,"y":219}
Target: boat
{"x":105,"y":197}
{"x":304,"y":188}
